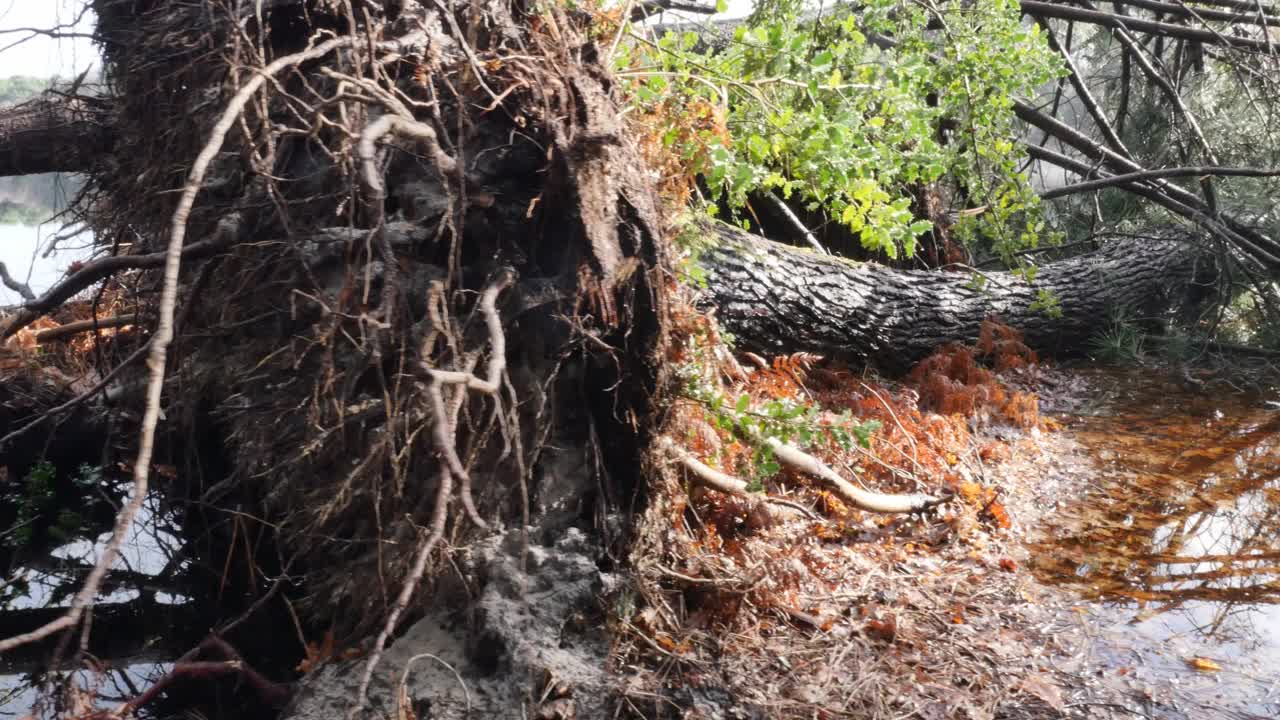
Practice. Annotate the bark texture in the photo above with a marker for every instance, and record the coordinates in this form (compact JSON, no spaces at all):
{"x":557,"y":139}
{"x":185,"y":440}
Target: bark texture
{"x":777,"y":298}
{"x":53,"y":133}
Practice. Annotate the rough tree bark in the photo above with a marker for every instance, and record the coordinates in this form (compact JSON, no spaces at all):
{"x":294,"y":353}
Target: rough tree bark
{"x":777,"y":298}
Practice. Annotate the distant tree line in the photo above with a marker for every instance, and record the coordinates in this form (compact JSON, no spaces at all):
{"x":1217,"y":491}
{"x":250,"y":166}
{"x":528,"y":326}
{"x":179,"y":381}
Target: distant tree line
{"x":18,"y":88}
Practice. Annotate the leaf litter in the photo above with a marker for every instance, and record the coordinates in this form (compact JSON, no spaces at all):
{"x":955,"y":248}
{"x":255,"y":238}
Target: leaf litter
{"x":838,"y":612}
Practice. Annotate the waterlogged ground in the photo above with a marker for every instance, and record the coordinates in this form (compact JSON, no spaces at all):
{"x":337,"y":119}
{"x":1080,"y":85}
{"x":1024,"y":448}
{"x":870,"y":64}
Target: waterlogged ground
{"x":1170,"y":541}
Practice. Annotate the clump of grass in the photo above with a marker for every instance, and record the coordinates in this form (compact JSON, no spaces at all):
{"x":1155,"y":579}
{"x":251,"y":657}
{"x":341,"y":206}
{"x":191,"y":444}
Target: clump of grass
{"x":1121,"y":341}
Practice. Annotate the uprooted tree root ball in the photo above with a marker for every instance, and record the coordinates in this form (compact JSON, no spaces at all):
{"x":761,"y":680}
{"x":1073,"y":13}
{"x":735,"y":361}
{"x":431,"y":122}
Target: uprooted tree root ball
{"x":412,"y":239}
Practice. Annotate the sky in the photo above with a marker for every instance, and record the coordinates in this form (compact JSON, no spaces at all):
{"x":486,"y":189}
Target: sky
{"x":43,"y":56}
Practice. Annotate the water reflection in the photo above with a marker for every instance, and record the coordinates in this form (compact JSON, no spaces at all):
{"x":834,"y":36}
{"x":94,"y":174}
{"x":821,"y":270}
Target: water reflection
{"x":181,"y":575}
{"x":140,"y":600}
{"x":1181,"y":525}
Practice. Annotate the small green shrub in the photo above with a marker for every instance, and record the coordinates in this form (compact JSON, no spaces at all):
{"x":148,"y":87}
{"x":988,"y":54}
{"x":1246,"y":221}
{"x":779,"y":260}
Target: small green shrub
{"x":1121,"y":341}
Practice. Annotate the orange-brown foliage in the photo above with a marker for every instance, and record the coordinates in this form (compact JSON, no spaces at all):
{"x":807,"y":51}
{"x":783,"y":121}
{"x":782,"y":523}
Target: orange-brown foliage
{"x":1004,"y":346}
{"x":923,"y":442}
{"x":953,"y":382}
{"x":675,"y":138}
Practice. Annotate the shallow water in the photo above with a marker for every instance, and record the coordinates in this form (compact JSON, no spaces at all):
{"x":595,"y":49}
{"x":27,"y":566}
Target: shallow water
{"x":175,"y":581}
{"x":1176,"y":541}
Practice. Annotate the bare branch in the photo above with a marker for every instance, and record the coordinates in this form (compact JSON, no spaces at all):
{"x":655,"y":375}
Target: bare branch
{"x":1178,"y":9}
{"x":19,"y":287}
{"x":104,"y":268}
{"x":795,"y":221}
{"x":1252,"y":6}
{"x":1259,"y":248}
{"x":1036,"y":8}
{"x":646,"y":8}
{"x":79,"y":326}
{"x":1114,"y":180}
{"x":1082,"y":91}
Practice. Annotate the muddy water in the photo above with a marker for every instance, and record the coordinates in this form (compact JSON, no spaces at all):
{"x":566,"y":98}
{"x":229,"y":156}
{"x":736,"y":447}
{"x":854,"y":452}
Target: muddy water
{"x":1174,"y":542}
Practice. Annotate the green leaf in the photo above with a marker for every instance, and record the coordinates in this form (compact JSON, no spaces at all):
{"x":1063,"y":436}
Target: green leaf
{"x":863,"y":432}
{"x":920,"y":226}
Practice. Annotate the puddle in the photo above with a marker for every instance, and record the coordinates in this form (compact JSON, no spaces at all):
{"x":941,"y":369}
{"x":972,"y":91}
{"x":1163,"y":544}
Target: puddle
{"x":1175,"y":540}
{"x":175,"y":580}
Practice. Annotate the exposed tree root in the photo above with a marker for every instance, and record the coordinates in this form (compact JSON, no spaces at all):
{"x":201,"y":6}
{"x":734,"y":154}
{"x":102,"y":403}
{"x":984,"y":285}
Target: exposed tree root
{"x":444,"y":420}
{"x":274,"y":694}
{"x":709,"y":477}
{"x":793,"y":456}
{"x":444,"y":426}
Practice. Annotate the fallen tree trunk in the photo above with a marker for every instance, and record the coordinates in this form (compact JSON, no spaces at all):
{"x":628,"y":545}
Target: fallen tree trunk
{"x":53,"y":133}
{"x":777,"y":298}
{"x":780,"y":299}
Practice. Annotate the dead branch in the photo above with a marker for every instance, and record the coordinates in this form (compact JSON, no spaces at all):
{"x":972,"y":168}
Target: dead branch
{"x":104,"y":268}
{"x":21,"y":288}
{"x":275,"y":694}
{"x":1114,"y":180}
{"x":1039,"y":9}
{"x":196,"y":288}
{"x":795,"y":222}
{"x":79,"y":326}
{"x":646,"y":8}
{"x":1082,"y":91}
